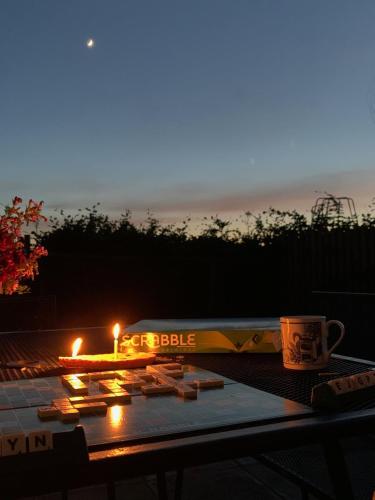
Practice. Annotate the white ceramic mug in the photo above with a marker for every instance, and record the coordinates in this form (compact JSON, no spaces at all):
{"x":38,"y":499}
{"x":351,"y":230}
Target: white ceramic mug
{"x":304,"y":341}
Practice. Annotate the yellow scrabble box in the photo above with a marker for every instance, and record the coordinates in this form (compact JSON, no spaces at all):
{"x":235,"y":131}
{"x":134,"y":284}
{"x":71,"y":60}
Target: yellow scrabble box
{"x":260,"y":335}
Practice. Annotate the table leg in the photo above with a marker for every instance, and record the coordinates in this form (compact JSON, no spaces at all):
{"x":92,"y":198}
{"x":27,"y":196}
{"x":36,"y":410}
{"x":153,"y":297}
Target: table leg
{"x":178,"y":484}
{"x":338,"y":470}
{"x":111,"y":491}
{"x":162,"y":486}
{"x":304,"y":494}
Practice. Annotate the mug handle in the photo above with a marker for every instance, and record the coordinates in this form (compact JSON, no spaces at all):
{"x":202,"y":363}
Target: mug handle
{"x":342,"y":332}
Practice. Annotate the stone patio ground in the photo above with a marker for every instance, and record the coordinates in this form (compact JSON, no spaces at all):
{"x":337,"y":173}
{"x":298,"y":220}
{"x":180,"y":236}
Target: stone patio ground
{"x":243,"y":479}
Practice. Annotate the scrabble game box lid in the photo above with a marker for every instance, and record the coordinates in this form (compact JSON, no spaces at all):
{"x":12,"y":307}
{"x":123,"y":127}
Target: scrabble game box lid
{"x":203,"y":335}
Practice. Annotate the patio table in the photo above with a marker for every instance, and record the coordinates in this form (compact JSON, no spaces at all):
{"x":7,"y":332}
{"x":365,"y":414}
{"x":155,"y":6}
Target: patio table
{"x":187,"y":446}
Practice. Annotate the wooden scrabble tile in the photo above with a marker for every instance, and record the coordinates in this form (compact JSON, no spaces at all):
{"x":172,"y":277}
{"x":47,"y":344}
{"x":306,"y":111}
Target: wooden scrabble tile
{"x":64,"y":408}
{"x":79,"y":391}
{"x":86,"y":399}
{"x":85,"y":377}
{"x":109,"y":386}
{"x":71,"y":415}
{"x":101,"y":407}
{"x":367,"y":376}
{"x":63,"y":402}
{"x":181,"y":388}
{"x":352,"y":382}
{"x":115,"y":386}
{"x":171,"y":366}
{"x":75,"y":385}
{"x":91,"y":408}
{"x":40,"y":441}
{"x":186,"y":391}
{"x":131,"y":387}
{"x":363,"y":381}
{"x":121,"y":398}
{"x":144,"y":375}
{"x":174,"y":373}
{"x":178,"y":373}
{"x":79,"y":388}
{"x":210,"y":383}
{"x":122,"y":374}
{"x":110,"y":398}
{"x":339,"y":386}
{"x":102,"y":375}
{"x":160,"y":375}
{"x":173,"y":370}
{"x":95,"y":398}
{"x":122,"y":392}
{"x":154,"y":389}
{"x":47,"y":412}
{"x":131,"y":383}
{"x":78,"y":399}
{"x":66,"y":380}
{"x":103,"y":385}
{"x":105,"y":397}
{"x":154,"y":369}
{"x":13,"y":444}
{"x":161,"y":378}
{"x":70,"y":379}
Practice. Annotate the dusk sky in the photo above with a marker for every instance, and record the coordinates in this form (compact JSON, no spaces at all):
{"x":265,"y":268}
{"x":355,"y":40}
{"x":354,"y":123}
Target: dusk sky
{"x":195,"y":107}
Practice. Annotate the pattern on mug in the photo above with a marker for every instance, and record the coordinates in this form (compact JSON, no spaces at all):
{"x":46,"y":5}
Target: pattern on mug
{"x":305,"y":346}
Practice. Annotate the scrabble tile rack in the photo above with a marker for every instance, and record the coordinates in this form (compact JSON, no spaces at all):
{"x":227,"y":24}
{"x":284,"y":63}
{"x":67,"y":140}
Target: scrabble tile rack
{"x":37,"y":471}
{"x":266,"y":373}
{"x":68,"y":447}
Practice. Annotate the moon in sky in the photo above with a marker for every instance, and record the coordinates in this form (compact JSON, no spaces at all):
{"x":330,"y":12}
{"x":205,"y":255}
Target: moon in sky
{"x":90,"y":43}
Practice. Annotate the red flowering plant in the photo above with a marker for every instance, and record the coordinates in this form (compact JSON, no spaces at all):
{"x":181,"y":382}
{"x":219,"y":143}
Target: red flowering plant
{"x":18,"y":260}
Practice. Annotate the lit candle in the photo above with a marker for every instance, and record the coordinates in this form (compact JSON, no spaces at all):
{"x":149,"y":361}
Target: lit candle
{"x":110,"y":361}
{"x":116,"y":332}
{"x":76,"y":346}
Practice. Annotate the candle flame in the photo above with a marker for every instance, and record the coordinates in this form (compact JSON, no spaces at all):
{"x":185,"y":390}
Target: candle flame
{"x":76,"y":346}
{"x":151,"y":340}
{"x":116,"y":330}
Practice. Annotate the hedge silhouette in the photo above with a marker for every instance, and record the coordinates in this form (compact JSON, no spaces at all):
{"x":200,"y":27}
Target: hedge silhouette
{"x":90,"y":231}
